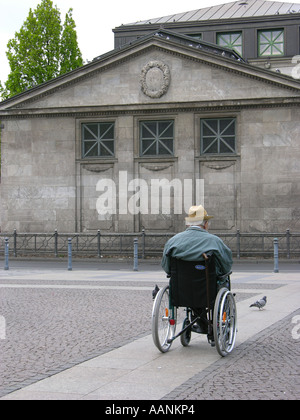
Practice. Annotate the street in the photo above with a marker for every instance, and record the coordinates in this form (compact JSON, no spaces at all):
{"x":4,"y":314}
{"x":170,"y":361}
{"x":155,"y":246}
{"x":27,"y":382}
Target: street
{"x":56,"y":319}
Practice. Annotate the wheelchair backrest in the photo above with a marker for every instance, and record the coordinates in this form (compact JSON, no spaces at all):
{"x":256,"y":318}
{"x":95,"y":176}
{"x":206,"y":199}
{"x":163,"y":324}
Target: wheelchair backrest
{"x":188,"y":282}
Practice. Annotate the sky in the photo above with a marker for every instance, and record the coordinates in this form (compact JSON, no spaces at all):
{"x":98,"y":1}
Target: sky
{"x":94,"y":20}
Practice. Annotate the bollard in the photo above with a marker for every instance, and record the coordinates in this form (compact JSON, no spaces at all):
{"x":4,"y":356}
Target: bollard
{"x":69,"y":254}
{"x":6,"y":252}
{"x":276,"y":270}
{"x":55,"y":243}
{"x":135,"y":254}
{"x":15,"y":242}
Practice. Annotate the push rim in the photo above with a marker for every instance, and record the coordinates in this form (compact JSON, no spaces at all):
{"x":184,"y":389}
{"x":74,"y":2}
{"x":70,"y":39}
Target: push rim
{"x":162,"y":330}
{"x":224,"y":322}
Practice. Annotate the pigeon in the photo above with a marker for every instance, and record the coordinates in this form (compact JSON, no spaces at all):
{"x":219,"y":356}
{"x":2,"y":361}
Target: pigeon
{"x":155,"y":291}
{"x":259,"y":303}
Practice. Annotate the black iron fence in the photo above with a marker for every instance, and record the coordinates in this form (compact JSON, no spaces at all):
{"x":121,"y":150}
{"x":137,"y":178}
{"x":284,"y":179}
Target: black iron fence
{"x":100,"y":244}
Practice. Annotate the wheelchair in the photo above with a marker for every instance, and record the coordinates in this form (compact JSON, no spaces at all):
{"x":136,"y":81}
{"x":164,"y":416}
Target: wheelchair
{"x":209,"y":305}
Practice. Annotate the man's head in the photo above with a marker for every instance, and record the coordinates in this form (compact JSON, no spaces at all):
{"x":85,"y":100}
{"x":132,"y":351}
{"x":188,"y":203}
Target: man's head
{"x":198,"y":217}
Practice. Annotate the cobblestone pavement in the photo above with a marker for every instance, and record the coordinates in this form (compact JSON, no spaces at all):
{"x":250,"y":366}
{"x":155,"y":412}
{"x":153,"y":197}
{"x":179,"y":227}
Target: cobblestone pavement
{"x":49,"y":330}
{"x":52,"y":325}
{"x":266,"y":367}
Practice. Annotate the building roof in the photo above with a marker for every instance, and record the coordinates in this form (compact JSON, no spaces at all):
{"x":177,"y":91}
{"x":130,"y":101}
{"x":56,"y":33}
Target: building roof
{"x":235,"y":9}
{"x":184,"y":40}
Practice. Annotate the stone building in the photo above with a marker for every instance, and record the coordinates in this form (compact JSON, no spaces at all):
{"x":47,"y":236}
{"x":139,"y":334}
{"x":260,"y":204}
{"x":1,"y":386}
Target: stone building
{"x":133,"y":138}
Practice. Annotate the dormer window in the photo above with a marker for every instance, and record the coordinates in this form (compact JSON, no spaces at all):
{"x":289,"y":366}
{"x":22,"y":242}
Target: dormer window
{"x":231,"y":40}
{"x":270,"y":42}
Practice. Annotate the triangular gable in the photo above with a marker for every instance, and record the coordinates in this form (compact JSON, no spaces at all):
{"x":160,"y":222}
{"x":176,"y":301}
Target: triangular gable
{"x":198,"y":72}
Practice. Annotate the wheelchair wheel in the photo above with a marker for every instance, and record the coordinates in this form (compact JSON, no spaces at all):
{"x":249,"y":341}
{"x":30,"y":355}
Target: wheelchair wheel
{"x":185,"y":338}
{"x":162,"y":328}
{"x":225,"y":322}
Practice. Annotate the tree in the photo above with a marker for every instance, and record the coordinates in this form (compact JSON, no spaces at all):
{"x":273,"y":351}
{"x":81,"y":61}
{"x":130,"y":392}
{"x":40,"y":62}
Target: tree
{"x":42,"y":50}
{"x":70,"y":55}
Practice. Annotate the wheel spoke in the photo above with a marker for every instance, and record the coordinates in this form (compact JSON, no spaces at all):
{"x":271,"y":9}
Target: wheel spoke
{"x":162,"y":330}
{"x":225,"y":322}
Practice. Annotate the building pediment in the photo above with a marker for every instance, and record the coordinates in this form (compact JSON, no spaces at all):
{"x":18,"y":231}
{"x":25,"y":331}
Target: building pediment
{"x":164,"y":68}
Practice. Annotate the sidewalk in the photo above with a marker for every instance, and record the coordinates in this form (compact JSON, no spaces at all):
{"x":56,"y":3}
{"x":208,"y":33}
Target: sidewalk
{"x":137,"y":370}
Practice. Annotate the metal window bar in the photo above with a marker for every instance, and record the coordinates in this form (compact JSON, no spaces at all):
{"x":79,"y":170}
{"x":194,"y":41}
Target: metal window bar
{"x":216,"y":139}
{"x":232,"y":40}
{"x":98,"y":139}
{"x":271,"y":42}
{"x":155,"y":138}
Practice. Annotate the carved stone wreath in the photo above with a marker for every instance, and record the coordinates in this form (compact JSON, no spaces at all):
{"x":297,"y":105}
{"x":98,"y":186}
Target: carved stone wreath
{"x":155,"y":79}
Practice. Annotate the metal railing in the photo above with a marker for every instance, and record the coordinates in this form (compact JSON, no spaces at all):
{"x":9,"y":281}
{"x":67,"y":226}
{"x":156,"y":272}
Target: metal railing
{"x":262,"y":244}
{"x":100,"y":244}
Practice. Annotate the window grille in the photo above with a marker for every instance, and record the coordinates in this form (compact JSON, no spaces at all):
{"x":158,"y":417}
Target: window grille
{"x":218,"y":136}
{"x":231,"y":40}
{"x":271,"y":42}
{"x":156,"y":138}
{"x":98,"y":139}
{"x":196,"y":36}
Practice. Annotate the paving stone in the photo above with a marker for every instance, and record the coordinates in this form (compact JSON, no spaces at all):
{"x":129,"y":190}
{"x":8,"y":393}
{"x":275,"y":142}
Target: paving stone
{"x":266,"y":367}
{"x":49,"y":330}
{"x":52,"y":329}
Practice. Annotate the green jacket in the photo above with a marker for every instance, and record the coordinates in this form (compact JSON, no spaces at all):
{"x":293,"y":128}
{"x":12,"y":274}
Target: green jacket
{"x":190,"y":245}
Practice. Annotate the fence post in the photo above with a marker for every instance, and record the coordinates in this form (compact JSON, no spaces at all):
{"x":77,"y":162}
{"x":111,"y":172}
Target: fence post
{"x":276,"y":270}
{"x":69,"y":254}
{"x":143,"y":243}
{"x":288,"y":243}
{"x":6,"y":252}
{"x":15,"y":242}
{"x":238,"y":244}
{"x":98,"y":243}
{"x":135,"y":254}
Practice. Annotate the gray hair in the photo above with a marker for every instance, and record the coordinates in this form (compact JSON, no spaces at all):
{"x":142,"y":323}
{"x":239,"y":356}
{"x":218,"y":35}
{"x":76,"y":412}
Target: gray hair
{"x":200,"y":223}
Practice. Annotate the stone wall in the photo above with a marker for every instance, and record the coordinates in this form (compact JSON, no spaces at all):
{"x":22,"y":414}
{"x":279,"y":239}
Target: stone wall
{"x":38,"y":175}
{"x":45,"y":186}
{"x":270,"y":170}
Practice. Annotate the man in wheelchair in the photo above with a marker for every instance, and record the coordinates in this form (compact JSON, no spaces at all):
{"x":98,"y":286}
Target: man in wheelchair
{"x":191,"y":245}
{"x":195,"y":240}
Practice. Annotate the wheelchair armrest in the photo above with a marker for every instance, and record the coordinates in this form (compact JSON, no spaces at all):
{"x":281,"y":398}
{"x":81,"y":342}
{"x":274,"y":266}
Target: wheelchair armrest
{"x":224,"y":275}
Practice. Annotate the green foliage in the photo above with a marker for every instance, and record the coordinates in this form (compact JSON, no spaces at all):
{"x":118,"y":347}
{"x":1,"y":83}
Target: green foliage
{"x":1,"y":89}
{"x":42,"y":50}
{"x":70,"y":55}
